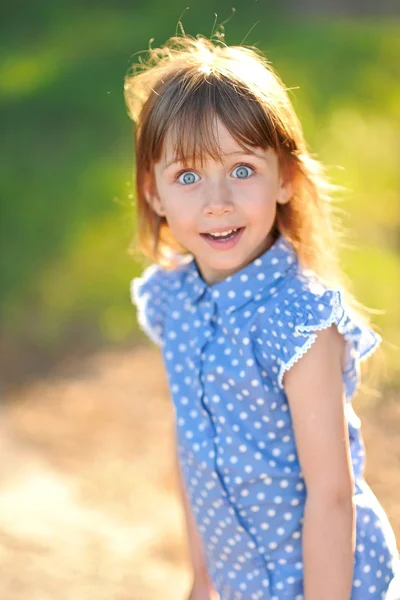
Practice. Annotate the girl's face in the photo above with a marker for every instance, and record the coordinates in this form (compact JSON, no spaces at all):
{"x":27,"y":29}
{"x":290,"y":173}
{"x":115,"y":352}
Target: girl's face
{"x":241,"y":193}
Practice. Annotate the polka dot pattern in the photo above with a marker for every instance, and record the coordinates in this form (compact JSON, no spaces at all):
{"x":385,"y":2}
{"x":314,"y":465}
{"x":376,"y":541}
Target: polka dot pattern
{"x":226,"y":348}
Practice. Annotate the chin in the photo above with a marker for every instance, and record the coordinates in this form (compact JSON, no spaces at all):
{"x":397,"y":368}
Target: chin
{"x":225,"y":263}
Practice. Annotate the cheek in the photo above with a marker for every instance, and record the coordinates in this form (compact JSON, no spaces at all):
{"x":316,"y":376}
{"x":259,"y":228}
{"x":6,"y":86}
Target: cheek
{"x":261,"y":200}
{"x":180,"y":215}
{"x":179,"y":206}
{"x":261,"y":192}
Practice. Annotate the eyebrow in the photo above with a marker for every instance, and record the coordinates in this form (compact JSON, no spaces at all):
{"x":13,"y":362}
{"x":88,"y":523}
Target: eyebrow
{"x":243,"y":152}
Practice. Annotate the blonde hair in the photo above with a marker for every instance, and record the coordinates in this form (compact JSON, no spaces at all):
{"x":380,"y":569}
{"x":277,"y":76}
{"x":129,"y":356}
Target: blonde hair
{"x":180,"y":88}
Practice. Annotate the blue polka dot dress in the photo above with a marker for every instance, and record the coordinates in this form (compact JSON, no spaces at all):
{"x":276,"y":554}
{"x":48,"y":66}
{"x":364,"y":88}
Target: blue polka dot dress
{"x":226,"y":348}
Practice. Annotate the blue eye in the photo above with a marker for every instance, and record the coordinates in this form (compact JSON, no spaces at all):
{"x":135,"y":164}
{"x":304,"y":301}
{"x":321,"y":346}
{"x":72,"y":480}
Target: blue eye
{"x":242,"y":172}
{"x":188,"y":177}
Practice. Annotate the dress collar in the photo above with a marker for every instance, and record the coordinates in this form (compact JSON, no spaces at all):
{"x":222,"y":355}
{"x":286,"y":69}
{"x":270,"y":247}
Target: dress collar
{"x":258,"y":277}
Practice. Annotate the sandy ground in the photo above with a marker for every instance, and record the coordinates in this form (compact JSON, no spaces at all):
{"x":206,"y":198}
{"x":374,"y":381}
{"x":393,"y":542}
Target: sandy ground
{"x":89,"y":506}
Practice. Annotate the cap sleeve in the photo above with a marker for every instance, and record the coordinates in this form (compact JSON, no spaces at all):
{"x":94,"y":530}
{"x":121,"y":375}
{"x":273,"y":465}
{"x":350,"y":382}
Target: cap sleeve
{"x":316,"y":311}
{"x":151,"y":294}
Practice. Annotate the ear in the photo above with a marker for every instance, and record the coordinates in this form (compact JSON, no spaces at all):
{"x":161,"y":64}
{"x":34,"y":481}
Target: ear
{"x":286,"y":183}
{"x":285,"y":192}
{"x":152,"y":197}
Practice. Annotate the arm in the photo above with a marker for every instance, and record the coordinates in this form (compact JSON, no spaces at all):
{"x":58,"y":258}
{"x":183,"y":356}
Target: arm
{"x":202,"y":586}
{"x":315,"y":393}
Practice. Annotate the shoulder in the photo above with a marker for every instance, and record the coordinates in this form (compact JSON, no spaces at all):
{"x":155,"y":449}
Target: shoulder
{"x":301,"y":303}
{"x":155,"y":279}
{"x":306,"y":310}
{"x":306,"y":295}
{"x":152,"y":294}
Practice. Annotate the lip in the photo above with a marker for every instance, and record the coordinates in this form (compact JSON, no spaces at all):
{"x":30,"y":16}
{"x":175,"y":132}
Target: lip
{"x":220,"y":229}
{"x":224,"y":245}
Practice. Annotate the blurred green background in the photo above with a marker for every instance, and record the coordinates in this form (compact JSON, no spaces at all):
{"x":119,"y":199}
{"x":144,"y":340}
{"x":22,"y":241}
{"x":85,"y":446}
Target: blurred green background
{"x":66,"y":169}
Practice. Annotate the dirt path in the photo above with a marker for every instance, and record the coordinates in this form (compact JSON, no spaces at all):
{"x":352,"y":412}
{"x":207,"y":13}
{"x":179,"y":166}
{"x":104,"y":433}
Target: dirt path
{"x":88,"y":497}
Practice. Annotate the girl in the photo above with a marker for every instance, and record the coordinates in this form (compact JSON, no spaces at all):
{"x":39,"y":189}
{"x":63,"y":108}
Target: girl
{"x":261,"y":342}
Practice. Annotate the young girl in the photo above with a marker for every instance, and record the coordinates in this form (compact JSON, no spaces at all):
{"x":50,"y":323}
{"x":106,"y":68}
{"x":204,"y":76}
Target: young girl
{"x":261,"y":342}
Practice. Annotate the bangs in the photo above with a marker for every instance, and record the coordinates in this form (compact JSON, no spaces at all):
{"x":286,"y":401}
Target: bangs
{"x":189,"y":112}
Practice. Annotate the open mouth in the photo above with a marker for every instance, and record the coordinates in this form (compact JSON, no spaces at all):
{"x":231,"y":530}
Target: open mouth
{"x":222,"y":236}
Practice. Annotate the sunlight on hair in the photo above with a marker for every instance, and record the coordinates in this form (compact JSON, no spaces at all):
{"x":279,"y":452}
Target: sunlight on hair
{"x":206,"y":69}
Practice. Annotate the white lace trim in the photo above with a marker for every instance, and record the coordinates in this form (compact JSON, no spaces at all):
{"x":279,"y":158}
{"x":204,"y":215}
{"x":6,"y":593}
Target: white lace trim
{"x":309,"y":328}
{"x":141,"y":300}
{"x":299,"y":354}
{"x":336,"y":316}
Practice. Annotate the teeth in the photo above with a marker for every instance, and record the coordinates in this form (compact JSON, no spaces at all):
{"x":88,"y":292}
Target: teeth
{"x":221,"y":234}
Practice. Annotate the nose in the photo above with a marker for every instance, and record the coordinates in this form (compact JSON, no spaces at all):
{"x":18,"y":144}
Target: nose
{"x":218,"y":199}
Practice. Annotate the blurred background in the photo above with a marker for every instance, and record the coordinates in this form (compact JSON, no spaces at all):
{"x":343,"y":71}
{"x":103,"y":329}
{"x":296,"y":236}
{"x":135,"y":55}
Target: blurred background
{"x":88,"y":497}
